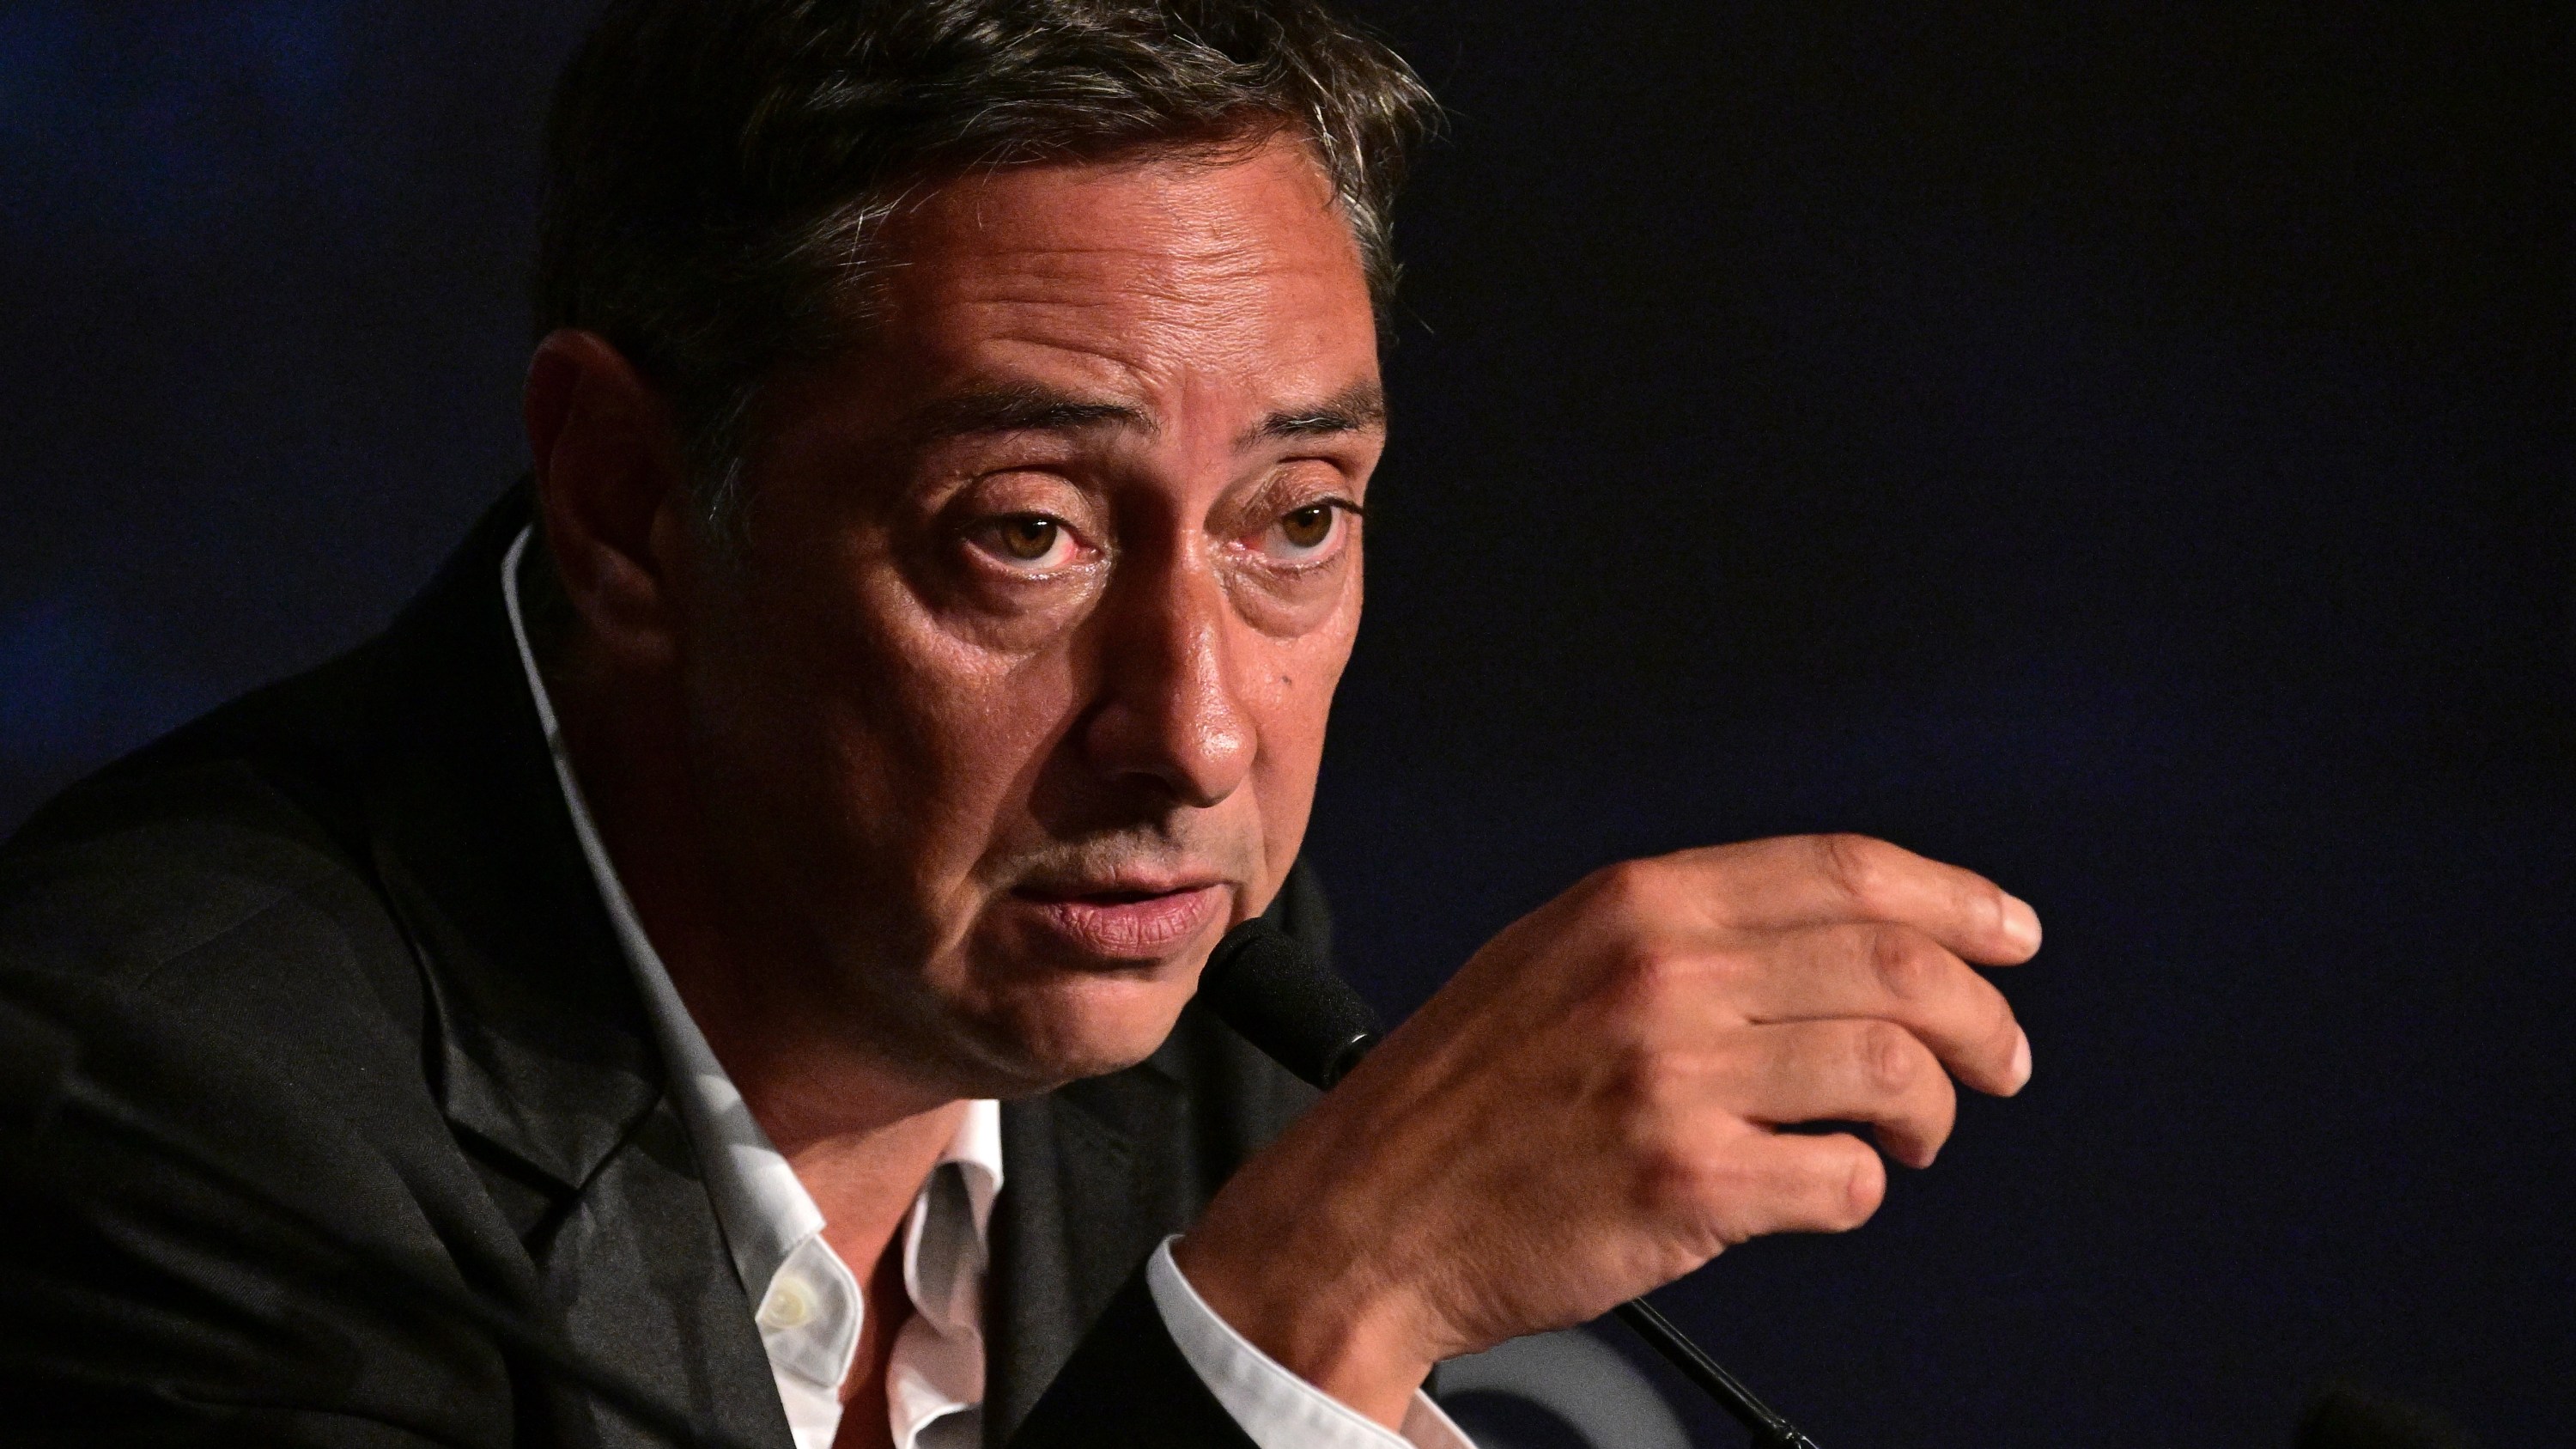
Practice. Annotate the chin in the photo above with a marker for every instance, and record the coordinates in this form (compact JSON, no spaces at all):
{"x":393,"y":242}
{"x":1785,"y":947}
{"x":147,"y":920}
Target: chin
{"x":1048,"y":993}
{"x":1068,"y":1025}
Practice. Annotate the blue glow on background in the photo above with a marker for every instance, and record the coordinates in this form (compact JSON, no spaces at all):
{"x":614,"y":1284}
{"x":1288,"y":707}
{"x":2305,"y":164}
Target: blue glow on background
{"x":162,"y":127}
{"x":70,"y":681}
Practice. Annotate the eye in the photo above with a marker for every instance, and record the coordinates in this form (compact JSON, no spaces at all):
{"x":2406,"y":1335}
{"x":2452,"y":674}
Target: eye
{"x":1302,"y":534}
{"x":1308,"y":527}
{"x":1031,"y":542}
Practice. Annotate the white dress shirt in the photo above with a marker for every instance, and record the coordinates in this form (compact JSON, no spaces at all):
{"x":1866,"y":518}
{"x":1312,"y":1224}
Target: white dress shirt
{"x":809,"y":1305}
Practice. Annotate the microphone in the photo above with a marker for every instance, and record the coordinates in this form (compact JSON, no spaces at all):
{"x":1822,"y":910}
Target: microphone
{"x":1283,"y":999}
{"x":41,"y":1083}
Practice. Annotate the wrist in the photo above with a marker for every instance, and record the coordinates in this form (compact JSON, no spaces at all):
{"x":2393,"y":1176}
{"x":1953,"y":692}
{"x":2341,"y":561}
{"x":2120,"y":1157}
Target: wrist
{"x":1318,"y":1315}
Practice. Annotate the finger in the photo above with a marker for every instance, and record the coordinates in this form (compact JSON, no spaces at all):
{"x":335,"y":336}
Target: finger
{"x":1807,"y":880}
{"x":1895,"y":973}
{"x":1789,"y":1183}
{"x":1845,"y":1071}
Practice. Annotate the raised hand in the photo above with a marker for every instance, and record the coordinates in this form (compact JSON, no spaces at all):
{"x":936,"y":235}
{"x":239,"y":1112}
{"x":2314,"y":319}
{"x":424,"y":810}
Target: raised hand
{"x":1592,"y":1106}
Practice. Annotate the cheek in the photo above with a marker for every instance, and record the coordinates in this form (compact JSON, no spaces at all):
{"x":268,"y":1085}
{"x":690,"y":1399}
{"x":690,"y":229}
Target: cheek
{"x":1298,"y":688}
{"x":1303,"y":612}
{"x":948,"y":727}
{"x":877,"y":725}
{"x":1307,"y":665}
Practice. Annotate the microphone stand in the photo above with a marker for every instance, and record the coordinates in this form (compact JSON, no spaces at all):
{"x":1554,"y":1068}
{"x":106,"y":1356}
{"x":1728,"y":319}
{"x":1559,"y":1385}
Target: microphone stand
{"x":1285,"y":1001}
{"x":1769,"y":1430}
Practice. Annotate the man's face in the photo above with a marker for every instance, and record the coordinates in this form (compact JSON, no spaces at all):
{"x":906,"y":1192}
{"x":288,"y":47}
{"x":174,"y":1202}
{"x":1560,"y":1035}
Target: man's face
{"x":1015,"y":700}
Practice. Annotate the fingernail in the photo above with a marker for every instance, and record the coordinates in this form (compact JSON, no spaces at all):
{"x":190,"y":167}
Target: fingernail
{"x":2021,"y":923}
{"x":2021,"y":1062}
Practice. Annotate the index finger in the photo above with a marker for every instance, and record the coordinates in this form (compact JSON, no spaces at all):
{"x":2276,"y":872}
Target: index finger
{"x":1795,"y":881}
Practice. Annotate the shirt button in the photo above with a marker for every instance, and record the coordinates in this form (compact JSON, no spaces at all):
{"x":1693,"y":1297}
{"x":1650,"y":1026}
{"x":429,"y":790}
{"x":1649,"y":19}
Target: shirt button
{"x":789,"y":1303}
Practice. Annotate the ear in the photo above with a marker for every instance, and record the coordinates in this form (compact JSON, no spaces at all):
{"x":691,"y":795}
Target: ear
{"x":611,"y":491}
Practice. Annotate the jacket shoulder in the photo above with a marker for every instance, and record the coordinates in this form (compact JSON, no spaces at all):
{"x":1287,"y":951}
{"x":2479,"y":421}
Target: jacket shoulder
{"x":221,"y":866}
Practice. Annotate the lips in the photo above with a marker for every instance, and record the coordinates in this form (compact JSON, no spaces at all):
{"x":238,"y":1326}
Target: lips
{"x":1125,"y":922}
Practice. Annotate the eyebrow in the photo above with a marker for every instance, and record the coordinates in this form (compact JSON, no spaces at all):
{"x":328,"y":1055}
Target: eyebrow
{"x":1031,"y":408}
{"x":1020,"y":408}
{"x":1359,"y":408}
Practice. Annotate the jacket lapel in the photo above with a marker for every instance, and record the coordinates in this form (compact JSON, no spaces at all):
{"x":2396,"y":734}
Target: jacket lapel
{"x":1089,"y":1190}
{"x":540,"y":1048}
{"x":543,"y":1051}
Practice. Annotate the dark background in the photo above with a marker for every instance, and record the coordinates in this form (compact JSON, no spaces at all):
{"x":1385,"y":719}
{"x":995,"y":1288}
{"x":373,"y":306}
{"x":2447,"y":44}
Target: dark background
{"x":2124,"y":448}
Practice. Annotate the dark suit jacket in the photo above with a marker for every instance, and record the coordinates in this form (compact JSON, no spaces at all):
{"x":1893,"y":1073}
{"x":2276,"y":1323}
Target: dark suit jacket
{"x":341,"y":929}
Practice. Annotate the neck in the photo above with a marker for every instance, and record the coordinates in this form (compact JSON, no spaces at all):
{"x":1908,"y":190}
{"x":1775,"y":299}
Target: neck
{"x":861,"y":1134}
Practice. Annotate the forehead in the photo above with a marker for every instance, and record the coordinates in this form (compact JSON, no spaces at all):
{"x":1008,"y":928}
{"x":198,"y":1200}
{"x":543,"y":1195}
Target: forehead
{"x":1231,"y":273}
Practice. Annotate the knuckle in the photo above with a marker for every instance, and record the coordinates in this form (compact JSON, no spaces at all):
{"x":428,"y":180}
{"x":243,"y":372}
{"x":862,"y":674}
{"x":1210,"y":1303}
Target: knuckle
{"x":1888,"y":1057}
{"x":1906,"y":964}
{"x":1654,"y":1090}
{"x":1856,"y":865}
{"x":1677,"y":1169}
{"x":1864,"y":1184}
{"x":1629,"y":887}
{"x":1664,"y":1187}
{"x":1651,"y":974}
{"x":1675,"y":1182}
{"x":1718,"y":1186}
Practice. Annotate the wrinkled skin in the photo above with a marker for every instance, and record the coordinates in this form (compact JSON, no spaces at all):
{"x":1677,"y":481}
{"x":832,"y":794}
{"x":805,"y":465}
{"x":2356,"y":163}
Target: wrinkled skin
{"x":943,"y":783}
{"x":1590,"y":1108}
{"x":1045,"y":594}
{"x":1013,"y":700}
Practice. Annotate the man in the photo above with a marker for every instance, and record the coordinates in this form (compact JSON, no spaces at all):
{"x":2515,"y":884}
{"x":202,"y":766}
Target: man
{"x":743,"y":919}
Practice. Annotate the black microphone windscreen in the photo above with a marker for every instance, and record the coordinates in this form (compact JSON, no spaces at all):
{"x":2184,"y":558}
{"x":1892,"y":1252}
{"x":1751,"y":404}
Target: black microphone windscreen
{"x":1285,"y":1000}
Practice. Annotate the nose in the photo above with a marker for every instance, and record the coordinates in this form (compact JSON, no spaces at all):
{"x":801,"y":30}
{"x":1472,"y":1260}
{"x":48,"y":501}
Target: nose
{"x":1169,"y":711}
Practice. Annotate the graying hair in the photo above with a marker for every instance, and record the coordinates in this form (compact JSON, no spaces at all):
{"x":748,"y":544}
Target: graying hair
{"x":719,"y":171}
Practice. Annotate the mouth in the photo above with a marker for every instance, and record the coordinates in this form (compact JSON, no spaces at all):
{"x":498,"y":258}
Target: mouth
{"x":1125,"y":920}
